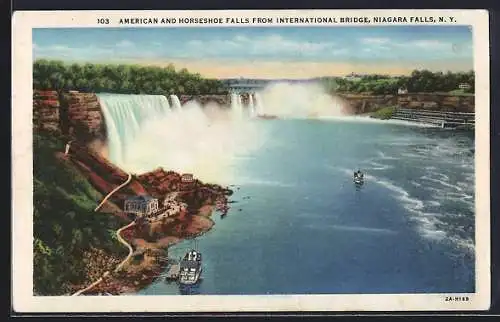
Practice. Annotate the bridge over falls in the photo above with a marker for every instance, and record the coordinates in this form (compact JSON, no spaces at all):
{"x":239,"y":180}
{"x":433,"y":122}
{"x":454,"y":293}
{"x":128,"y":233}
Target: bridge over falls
{"x":438,"y":118}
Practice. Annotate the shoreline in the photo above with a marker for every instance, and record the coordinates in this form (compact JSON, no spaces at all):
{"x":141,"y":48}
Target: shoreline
{"x":136,"y":276}
{"x":186,"y":210}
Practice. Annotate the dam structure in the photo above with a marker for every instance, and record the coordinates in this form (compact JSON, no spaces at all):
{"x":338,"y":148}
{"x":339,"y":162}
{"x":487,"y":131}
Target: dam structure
{"x":442,"y":119}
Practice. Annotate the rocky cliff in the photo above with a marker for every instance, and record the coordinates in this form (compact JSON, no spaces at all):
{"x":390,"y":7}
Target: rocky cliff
{"x":74,"y":114}
{"x":358,"y":103}
{"x":221,"y":100}
{"x":46,"y":114}
{"x":83,"y":117}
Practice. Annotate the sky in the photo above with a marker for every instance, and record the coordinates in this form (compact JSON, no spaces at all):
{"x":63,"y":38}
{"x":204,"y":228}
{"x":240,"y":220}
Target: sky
{"x":266,"y":52}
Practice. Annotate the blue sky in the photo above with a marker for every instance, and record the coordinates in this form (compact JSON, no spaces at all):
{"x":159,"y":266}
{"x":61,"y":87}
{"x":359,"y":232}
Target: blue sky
{"x":406,"y":46}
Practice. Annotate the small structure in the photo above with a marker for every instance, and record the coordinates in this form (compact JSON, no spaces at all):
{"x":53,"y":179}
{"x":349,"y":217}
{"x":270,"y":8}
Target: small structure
{"x":402,"y":90}
{"x":353,"y":77}
{"x":187,"y":178}
{"x":68,"y":145}
{"x":141,"y":205}
{"x":464,"y":86}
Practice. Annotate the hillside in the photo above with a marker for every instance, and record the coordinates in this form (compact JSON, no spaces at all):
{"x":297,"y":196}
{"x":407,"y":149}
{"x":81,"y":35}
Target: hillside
{"x":72,"y":243}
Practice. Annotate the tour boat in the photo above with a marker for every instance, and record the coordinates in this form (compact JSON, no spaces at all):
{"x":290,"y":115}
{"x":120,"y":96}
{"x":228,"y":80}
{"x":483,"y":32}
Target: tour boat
{"x":358,"y":178}
{"x":190,"y":268}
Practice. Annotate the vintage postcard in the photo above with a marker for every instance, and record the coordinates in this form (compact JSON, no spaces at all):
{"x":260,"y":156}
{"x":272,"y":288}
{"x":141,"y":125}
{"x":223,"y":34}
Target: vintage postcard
{"x":222,"y":161}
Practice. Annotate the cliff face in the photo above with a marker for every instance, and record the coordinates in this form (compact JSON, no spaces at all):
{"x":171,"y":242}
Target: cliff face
{"x":74,"y":114}
{"x":441,"y":102}
{"x":46,"y":114}
{"x":358,"y":103}
{"x":85,"y":119}
{"x":221,"y":100}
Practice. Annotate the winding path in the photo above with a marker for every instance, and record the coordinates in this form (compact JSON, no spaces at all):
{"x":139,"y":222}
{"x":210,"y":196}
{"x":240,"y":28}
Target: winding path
{"x":118,"y":234}
{"x":113,"y":191}
{"x":124,"y":242}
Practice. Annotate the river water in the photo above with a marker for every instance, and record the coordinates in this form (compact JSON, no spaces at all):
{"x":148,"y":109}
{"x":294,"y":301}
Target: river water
{"x":300,"y":226}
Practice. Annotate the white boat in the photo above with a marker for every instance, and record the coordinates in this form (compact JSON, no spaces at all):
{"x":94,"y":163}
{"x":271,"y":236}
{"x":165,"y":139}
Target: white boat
{"x":190,"y":268}
{"x":358,"y":178}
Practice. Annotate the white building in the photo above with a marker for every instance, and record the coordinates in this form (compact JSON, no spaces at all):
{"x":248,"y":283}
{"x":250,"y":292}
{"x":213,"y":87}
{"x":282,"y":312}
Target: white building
{"x":402,"y":90}
{"x":141,"y":205}
{"x":187,"y":178}
{"x":464,"y":86}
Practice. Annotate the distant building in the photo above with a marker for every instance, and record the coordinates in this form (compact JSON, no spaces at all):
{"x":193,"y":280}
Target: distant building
{"x":354,"y":76}
{"x":187,"y":178}
{"x":141,"y":205}
{"x":402,"y":90}
{"x":464,"y":86}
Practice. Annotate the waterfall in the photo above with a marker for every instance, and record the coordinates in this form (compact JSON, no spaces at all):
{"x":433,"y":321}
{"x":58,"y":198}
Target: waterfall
{"x":124,"y":115}
{"x":176,"y":104}
{"x":251,"y":106}
{"x":259,"y":107}
{"x":236,"y":105}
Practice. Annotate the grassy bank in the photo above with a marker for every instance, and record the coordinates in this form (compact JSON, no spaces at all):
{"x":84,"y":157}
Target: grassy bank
{"x":384,"y":113}
{"x":72,"y":244}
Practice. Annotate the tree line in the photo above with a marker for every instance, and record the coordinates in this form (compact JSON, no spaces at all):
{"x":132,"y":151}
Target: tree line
{"x":417,"y":81}
{"x":121,"y":78}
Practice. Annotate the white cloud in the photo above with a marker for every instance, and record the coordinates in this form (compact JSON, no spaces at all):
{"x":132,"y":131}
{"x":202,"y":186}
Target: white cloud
{"x":268,"y":45}
{"x":430,"y":44}
{"x":59,"y":51}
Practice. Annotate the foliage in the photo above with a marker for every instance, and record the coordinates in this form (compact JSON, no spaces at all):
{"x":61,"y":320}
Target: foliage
{"x":418,"y":81}
{"x":384,"y":113}
{"x":124,"y":79}
{"x":64,"y":224}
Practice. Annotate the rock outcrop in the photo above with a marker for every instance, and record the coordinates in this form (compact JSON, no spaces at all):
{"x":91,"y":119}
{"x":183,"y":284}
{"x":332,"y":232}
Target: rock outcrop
{"x":84,"y":118}
{"x":74,"y":114}
{"x":359,"y":103}
{"x":221,"y":100}
{"x":46,"y":114}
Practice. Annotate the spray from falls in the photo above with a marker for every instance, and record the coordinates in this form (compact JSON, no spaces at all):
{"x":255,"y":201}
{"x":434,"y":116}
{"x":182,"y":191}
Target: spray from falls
{"x":144,"y":134}
{"x":299,"y":101}
{"x":251,"y":106}
{"x":259,"y":108}
{"x":236,"y":106}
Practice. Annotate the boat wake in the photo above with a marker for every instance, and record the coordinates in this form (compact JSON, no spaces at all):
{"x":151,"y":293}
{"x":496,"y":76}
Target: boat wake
{"x":427,"y":214}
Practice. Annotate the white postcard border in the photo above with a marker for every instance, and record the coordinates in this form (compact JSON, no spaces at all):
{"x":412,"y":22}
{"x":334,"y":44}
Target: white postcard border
{"x":22,"y":177}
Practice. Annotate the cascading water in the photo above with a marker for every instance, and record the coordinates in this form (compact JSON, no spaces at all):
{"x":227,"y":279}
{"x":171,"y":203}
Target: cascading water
{"x":236,"y":107}
{"x":144,"y":134}
{"x":251,"y":106}
{"x":176,"y":103}
{"x":259,"y":107}
{"x":124,"y":115}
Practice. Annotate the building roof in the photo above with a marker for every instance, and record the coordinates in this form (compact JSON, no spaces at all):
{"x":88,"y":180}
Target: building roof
{"x":141,"y":198}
